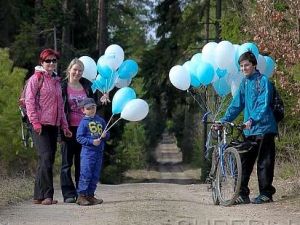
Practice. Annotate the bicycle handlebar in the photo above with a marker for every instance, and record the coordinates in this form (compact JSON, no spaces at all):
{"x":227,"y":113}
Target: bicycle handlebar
{"x":218,"y":125}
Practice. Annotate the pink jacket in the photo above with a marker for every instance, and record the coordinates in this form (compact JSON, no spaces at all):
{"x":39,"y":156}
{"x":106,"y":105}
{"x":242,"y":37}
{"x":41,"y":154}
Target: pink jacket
{"x":47,"y":108}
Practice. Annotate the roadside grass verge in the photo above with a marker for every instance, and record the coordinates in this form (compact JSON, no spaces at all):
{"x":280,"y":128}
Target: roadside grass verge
{"x":15,"y":189}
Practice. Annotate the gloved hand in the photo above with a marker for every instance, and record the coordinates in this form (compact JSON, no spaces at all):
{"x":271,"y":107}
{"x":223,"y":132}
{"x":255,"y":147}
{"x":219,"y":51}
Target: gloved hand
{"x":37,"y":127}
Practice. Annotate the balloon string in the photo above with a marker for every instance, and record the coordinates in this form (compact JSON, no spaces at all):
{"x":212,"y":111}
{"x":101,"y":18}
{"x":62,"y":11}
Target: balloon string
{"x":219,"y":108}
{"x":196,"y":100}
{"x":108,"y":122}
{"x":113,"y":124}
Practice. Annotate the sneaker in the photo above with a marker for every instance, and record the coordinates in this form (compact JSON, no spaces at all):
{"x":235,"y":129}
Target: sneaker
{"x":242,"y":200}
{"x":94,"y":201}
{"x":261,"y":199}
{"x":82,"y":200}
{"x":70,"y":200}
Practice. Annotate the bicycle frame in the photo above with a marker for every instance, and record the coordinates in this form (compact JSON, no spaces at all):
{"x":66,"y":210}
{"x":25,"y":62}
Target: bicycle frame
{"x":222,"y":145}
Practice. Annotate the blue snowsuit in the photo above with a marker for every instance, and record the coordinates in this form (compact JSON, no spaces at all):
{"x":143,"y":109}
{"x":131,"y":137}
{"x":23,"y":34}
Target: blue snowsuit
{"x":254,"y":96}
{"x":90,"y":128}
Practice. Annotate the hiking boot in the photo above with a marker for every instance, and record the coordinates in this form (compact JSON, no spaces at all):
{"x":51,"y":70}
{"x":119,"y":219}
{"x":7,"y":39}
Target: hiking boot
{"x":261,"y":199}
{"x":70,"y":200}
{"x":94,"y":201}
{"x":242,"y":200}
{"x":82,"y":200}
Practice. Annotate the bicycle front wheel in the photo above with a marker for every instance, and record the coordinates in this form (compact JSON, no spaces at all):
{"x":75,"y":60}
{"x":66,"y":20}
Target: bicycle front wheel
{"x":213,"y":171}
{"x":229,"y":176}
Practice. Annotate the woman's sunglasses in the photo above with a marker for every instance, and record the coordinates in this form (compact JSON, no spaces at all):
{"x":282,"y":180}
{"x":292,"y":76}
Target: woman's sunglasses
{"x":50,"y":60}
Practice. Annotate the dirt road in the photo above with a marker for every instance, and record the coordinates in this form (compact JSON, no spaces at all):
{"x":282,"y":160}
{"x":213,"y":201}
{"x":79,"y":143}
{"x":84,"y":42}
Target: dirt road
{"x":164,"y":203}
{"x":151,"y":204}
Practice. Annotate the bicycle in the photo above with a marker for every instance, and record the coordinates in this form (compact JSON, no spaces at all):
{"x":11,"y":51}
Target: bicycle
{"x":26,"y":130}
{"x":226,"y":168}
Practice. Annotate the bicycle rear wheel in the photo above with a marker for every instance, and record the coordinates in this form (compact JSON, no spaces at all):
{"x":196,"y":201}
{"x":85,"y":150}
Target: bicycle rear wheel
{"x":229,"y":176}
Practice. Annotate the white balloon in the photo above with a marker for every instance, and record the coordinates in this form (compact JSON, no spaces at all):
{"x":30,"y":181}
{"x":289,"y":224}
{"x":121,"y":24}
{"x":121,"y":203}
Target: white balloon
{"x":179,"y":77}
{"x":116,"y":54}
{"x":135,"y":110}
{"x":225,"y":54}
{"x":261,"y":64}
{"x":90,"y":68}
{"x":105,"y":60}
{"x":122,"y":82}
{"x":235,"y":82}
{"x":208,"y":52}
{"x":234,"y":88}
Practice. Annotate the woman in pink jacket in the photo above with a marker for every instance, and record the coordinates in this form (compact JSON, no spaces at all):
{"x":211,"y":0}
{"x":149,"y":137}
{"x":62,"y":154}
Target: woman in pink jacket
{"x":44,"y":105}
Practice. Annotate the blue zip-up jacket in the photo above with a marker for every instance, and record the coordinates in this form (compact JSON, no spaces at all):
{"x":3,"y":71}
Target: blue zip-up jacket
{"x":91,"y":128}
{"x":254,"y":96}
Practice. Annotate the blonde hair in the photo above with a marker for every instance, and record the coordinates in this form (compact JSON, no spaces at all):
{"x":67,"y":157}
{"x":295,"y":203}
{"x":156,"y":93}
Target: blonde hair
{"x":74,"y":61}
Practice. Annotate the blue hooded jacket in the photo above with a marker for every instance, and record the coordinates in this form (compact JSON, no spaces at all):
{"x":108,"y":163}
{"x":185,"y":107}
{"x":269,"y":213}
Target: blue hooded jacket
{"x":254,"y":96}
{"x":91,"y":128}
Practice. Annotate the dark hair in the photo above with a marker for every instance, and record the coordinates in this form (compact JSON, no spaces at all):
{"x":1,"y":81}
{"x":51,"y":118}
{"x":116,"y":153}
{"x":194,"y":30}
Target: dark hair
{"x":46,"y":52}
{"x":248,"y":56}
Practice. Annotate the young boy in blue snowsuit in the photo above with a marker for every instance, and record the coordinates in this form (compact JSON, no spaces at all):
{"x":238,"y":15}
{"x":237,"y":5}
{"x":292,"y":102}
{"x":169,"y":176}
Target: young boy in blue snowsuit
{"x":92,"y":138}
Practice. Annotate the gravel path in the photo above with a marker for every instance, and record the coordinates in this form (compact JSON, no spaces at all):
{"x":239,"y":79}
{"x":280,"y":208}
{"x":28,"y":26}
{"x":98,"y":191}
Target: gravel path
{"x":151,"y":204}
{"x":162,"y":203}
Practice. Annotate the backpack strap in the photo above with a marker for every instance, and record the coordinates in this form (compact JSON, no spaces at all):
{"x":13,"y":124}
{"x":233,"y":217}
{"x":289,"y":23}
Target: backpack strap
{"x":40,"y":77}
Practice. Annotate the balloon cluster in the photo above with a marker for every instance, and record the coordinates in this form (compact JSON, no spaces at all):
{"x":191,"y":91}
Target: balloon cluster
{"x":110,"y":71}
{"x":128,"y":106}
{"x":217,"y":64}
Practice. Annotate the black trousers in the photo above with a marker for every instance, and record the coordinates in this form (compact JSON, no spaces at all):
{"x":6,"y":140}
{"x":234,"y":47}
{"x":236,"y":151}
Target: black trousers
{"x":264,"y":152}
{"x":46,"y":145}
{"x":70,"y":154}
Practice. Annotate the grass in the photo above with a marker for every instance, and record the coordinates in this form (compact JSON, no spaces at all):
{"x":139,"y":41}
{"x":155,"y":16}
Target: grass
{"x":15,"y":189}
{"x":286,"y":181}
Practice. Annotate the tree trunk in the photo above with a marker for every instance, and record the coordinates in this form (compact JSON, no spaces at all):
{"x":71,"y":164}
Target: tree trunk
{"x":102,"y":40}
{"x":66,"y":32}
{"x":87,"y":8}
{"x":37,"y":8}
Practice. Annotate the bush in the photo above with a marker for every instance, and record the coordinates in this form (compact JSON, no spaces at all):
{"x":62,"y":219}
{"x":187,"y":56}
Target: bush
{"x":130,"y":154}
{"x":13,"y":156}
{"x":111,"y":174}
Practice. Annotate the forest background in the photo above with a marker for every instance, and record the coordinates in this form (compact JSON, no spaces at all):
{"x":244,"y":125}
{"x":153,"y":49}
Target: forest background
{"x":158,"y":35}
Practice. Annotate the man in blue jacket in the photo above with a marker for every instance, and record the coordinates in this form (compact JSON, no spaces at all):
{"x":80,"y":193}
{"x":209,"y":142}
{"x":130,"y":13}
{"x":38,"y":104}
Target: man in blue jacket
{"x":92,"y":137}
{"x":253,"y":98}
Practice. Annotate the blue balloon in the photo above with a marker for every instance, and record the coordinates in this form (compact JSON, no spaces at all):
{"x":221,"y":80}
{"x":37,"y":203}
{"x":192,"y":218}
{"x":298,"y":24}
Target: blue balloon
{"x":128,"y":69}
{"x":192,"y":68}
{"x":121,"y":97}
{"x":197,"y":58}
{"x":105,"y":71}
{"x":104,"y":67}
{"x":248,"y":47}
{"x":105,"y":85}
{"x":94,"y":87}
{"x":221,"y":87}
{"x":221,"y":73}
{"x":270,"y":66}
{"x":205,"y":73}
